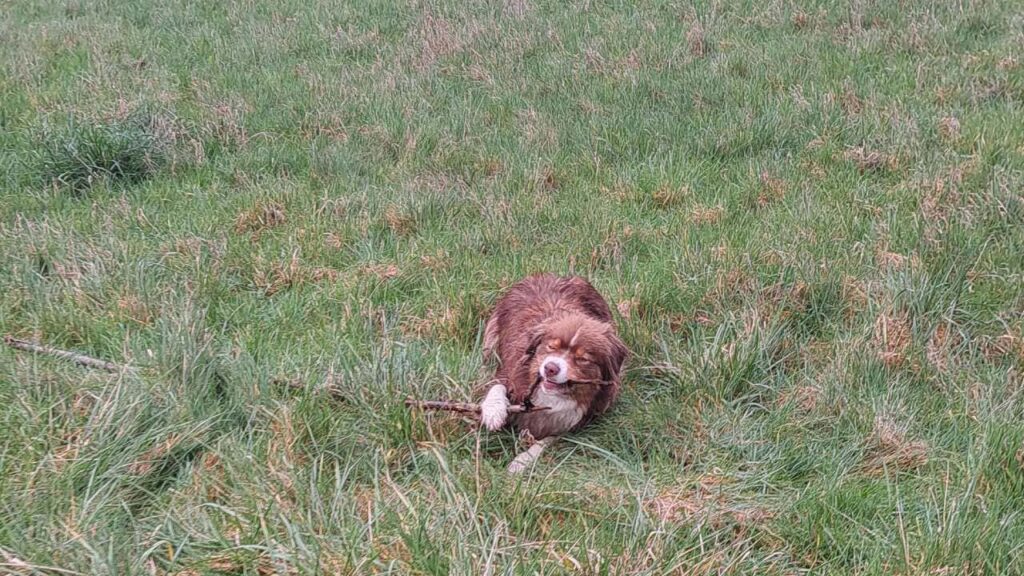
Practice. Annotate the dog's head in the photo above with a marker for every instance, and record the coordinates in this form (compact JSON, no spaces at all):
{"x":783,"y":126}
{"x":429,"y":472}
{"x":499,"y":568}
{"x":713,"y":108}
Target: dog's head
{"x":574,"y":349}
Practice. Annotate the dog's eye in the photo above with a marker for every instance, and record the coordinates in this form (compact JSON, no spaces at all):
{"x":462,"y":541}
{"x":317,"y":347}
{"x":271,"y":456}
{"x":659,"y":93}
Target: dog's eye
{"x":584,"y":361}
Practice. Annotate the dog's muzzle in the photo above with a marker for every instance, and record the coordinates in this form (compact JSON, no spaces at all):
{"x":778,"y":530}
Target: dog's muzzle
{"x":554,"y":371}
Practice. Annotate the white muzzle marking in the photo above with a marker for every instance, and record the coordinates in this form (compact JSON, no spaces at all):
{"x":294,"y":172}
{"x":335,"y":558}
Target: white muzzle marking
{"x":559,"y":377}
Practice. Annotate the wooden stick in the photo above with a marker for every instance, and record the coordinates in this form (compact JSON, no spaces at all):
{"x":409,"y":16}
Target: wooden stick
{"x":90,"y":362}
{"x":80,"y":359}
{"x":467,"y":407}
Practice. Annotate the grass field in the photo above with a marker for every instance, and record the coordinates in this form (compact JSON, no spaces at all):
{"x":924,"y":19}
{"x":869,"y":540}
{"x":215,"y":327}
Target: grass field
{"x":808,"y":216}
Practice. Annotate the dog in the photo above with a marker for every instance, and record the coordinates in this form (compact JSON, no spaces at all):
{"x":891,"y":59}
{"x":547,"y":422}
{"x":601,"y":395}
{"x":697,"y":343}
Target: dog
{"x":557,"y":349}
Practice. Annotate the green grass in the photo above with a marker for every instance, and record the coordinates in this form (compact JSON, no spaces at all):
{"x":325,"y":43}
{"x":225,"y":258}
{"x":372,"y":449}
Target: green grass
{"x":808,"y":215}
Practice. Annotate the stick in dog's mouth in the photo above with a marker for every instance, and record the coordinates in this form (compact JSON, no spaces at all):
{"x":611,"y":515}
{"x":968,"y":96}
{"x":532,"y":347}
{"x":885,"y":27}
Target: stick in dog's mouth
{"x":466,"y":407}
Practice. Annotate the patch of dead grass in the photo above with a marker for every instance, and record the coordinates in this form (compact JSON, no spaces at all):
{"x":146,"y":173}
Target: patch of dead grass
{"x":610,"y":253}
{"x":382,"y":272}
{"x":239,"y":562}
{"x":334,"y":240}
{"x":276,"y":276}
{"x":892,"y":260}
{"x":73,"y":443}
{"x":701,"y":215}
{"x":438,"y":322}
{"x":707,"y":503}
{"x":537,"y":131}
{"x":517,"y":9}
{"x":696,"y":40}
{"x":890,"y":449}
{"x":806,"y":398}
{"x":144,"y":464}
{"x":949,"y":128}
{"x":259,"y":218}
{"x":626,"y":307}
{"x":399,"y":221}
{"x":227,"y":119}
{"x":851,"y":104}
{"x":436,"y":262}
{"x":939,"y":346}
{"x":131,"y":307}
{"x":439,"y":38}
{"x":1007,"y":345}
{"x":772,"y":190}
{"x":667,"y":196}
{"x":871,"y":160}
{"x":892,"y":338}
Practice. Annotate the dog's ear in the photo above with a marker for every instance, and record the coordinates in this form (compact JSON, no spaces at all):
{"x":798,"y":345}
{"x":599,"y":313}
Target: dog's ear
{"x":531,"y":347}
{"x":613,"y":358}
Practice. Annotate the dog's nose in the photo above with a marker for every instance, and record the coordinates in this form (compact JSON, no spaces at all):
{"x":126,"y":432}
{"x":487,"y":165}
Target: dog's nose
{"x":551,"y":369}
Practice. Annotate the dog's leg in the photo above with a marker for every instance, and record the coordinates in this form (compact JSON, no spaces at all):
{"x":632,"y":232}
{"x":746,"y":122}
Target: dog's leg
{"x":491,"y":339}
{"x":526,"y":458}
{"x":494,"y":408}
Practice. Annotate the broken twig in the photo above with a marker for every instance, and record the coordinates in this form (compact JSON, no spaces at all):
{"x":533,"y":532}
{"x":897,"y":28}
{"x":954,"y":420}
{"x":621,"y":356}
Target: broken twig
{"x":80,"y":359}
{"x":467,"y":407}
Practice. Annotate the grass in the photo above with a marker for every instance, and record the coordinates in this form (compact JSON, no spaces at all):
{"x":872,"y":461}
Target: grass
{"x":808,"y":216}
{"x":78,"y":156}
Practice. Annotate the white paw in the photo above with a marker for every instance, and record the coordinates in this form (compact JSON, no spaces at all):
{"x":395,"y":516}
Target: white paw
{"x":494,"y":408}
{"x":526,"y":458}
{"x":519,"y":464}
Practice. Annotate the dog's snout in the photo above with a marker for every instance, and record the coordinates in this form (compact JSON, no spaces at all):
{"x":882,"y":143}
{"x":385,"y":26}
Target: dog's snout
{"x":554,"y":369}
{"x":551,"y":369}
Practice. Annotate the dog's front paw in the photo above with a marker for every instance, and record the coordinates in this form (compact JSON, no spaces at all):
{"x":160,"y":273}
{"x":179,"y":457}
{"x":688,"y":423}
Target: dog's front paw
{"x":494,"y":408}
{"x":519,"y":464}
{"x":527,"y":458}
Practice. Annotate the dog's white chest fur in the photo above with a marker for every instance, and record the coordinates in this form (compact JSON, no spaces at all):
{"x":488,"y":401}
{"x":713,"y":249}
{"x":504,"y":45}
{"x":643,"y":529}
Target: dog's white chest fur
{"x":563,"y":411}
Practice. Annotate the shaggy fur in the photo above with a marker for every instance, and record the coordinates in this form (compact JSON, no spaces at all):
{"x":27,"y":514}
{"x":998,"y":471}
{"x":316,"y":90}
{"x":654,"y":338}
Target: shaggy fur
{"x":555,"y":346}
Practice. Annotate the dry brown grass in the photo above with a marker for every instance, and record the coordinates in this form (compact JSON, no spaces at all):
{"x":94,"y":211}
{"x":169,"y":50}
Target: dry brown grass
{"x":1010,"y":345}
{"x":275,"y":276}
{"x":144,"y":464}
{"x":626,"y":307}
{"x":438,"y":39}
{"x":707,"y":215}
{"x":892,"y":338}
{"x":708,"y":503}
{"x":806,"y":398}
{"x":890,"y":449}
{"x":938,"y":350}
{"x":949,"y":128}
{"x":334,"y":240}
{"x":240,"y":562}
{"x":382,"y":272}
{"x":261,"y":217}
{"x":439,"y":322}
{"x":517,"y":9}
{"x":871,"y":160}
{"x":772,"y":190}
{"x":667,"y":196}
{"x":890,"y":260}
{"x":131,"y":307}
{"x":696,"y":39}
{"x":399,"y":221}
{"x":436,"y":262}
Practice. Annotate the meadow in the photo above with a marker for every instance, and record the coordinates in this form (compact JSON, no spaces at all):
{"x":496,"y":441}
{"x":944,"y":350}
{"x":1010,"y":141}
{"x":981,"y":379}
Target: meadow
{"x":287,"y":217}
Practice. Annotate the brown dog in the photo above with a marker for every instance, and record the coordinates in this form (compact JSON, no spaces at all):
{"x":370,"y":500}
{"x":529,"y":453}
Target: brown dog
{"x":556,"y":347}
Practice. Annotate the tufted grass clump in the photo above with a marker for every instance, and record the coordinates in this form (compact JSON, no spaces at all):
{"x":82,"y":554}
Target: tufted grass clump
{"x":81,"y":153}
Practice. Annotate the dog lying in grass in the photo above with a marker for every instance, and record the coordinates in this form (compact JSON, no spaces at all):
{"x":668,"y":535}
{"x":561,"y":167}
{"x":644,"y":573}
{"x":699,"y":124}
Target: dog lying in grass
{"x":556,"y":347}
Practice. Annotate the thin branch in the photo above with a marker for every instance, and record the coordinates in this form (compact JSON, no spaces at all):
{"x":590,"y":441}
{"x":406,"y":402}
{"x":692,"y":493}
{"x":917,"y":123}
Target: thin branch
{"x":80,"y":359}
{"x":467,"y":407}
{"x":90,"y":362}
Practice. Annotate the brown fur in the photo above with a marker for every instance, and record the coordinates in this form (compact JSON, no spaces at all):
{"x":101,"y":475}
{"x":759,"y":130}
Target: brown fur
{"x":541,"y":315}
